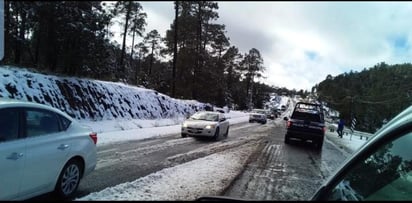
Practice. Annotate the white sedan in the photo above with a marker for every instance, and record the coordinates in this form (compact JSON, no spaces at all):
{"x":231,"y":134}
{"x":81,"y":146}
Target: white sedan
{"x":42,"y":150}
{"x":206,"y":124}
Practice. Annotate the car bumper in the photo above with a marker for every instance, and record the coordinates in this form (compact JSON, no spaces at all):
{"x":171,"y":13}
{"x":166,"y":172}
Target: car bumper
{"x":304,"y":135}
{"x":257,"y":120}
{"x":91,"y":163}
{"x":199,"y":132}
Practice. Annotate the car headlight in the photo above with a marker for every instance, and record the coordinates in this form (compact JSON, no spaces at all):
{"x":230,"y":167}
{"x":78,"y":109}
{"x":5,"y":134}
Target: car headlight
{"x":184,"y":125}
{"x":210,"y":126}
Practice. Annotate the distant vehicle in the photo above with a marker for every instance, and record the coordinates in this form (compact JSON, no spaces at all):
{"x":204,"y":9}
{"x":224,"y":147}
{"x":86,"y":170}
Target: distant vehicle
{"x":258,"y":115}
{"x":42,"y":150}
{"x":272,"y":114}
{"x":206,"y":124}
{"x":306,"y":123}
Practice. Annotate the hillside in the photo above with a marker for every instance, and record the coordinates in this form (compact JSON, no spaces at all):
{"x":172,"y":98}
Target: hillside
{"x":91,"y":99}
{"x":373,"y":96}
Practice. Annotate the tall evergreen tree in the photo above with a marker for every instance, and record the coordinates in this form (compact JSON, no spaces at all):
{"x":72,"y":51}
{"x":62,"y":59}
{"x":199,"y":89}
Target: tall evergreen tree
{"x":129,"y":10}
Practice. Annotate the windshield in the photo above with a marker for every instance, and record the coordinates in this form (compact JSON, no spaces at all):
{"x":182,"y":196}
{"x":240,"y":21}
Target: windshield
{"x":205,"y":116}
{"x":259,"y":111}
{"x":131,"y":86}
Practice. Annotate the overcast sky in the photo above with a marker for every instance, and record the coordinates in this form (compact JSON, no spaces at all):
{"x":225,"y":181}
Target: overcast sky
{"x":302,"y":42}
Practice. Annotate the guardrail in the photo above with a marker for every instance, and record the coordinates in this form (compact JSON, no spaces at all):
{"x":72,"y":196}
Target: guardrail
{"x":347,"y":131}
{"x":363,"y":134}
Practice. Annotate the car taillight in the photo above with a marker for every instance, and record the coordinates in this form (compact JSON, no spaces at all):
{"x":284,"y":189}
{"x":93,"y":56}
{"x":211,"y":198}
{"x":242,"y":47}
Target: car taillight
{"x":93,"y":135}
{"x":289,"y":124}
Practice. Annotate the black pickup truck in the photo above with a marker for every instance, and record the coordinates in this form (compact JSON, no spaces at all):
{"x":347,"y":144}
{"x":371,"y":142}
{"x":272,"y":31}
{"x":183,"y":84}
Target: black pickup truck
{"x":306,"y":123}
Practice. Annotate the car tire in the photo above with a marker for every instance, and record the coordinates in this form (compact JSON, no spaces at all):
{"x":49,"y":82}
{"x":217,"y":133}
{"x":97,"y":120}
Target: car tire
{"x":216,"y":136}
{"x":69,"y":179}
{"x":184,"y":135}
{"x":227,"y":132}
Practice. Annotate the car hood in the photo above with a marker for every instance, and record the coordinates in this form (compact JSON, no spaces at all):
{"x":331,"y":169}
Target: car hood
{"x":199,"y":123}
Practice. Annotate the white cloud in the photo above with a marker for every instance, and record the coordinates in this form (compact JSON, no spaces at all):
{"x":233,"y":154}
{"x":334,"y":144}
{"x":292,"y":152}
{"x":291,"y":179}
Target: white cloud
{"x":158,"y":20}
{"x":342,"y":36}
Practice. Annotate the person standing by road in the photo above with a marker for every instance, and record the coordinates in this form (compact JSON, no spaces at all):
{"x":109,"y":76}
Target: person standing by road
{"x":341,"y":124}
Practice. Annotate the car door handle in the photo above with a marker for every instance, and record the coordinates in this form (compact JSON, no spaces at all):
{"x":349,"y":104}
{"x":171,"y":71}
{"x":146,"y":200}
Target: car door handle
{"x":15,"y":156}
{"x":63,"y":146}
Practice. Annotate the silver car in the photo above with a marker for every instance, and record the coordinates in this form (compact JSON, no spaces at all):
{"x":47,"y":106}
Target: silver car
{"x":42,"y":150}
{"x":206,"y":124}
{"x":258,"y":115}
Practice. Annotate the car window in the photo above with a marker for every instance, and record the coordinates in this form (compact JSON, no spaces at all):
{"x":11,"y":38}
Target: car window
{"x":221,"y":116}
{"x":39,"y":122}
{"x":385,"y":175}
{"x":259,"y":111}
{"x":205,"y":116}
{"x":9,"y":124}
{"x":306,"y":116}
{"x":65,"y":123}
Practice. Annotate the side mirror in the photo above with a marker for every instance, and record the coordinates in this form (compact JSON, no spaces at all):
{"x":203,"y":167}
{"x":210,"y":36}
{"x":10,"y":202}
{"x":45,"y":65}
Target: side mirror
{"x":222,"y":119}
{"x":285,"y":118}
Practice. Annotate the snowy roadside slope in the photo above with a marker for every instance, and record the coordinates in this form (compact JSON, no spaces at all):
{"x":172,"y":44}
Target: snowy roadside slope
{"x":91,"y":99}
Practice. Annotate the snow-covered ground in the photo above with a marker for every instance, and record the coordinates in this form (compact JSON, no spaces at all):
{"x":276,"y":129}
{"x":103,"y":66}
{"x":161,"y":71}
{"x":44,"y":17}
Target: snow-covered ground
{"x":349,"y":143}
{"x":92,"y":100}
{"x":205,"y":176}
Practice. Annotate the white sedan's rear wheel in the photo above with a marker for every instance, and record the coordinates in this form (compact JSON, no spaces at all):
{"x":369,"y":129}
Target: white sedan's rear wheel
{"x":69,"y":179}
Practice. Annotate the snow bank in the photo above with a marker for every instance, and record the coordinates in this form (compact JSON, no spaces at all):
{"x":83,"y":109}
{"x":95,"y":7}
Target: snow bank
{"x":209,"y":175}
{"x":92,"y":99}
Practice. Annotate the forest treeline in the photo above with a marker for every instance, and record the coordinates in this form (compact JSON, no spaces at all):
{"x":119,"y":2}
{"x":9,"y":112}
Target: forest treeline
{"x":373,"y":96}
{"x":194,"y":59}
